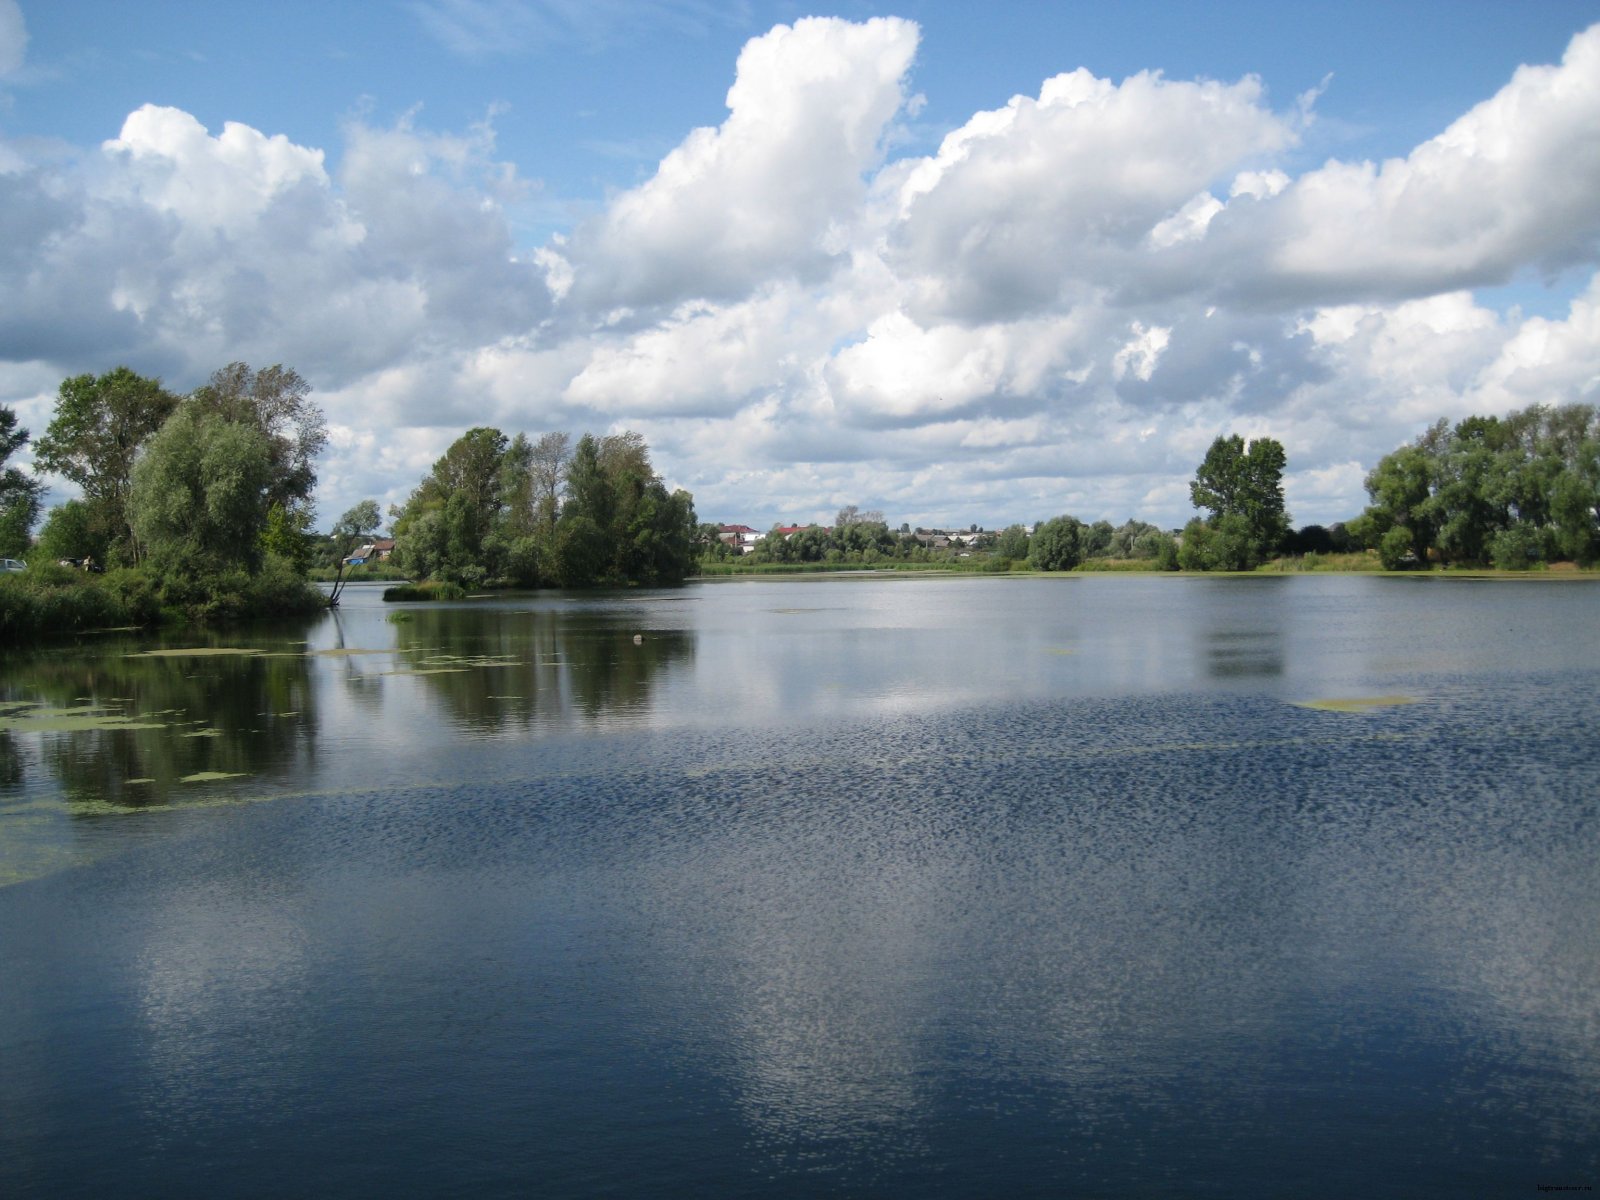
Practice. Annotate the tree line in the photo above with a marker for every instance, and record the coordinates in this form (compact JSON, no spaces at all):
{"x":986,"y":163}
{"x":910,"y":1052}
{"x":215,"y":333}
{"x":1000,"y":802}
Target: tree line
{"x":1508,"y":492}
{"x":198,"y":502}
{"x":548,"y":512}
{"x":864,"y":538}
{"x":1503,"y":491}
{"x":203,"y":494}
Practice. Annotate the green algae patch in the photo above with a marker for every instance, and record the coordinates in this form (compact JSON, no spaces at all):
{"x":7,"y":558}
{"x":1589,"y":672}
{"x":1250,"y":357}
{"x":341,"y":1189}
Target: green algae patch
{"x":1355,"y":703}
{"x":342,"y":652}
{"x":211,"y":776}
{"x":205,"y":733}
{"x":131,"y":782}
{"x":68,"y":720}
{"x":431,"y":671}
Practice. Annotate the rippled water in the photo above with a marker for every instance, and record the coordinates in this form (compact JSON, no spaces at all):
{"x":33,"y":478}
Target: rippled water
{"x":894,"y":887}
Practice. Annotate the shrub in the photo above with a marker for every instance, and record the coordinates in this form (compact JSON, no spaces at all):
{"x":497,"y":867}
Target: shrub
{"x":1515,"y":549}
{"x":1394,"y":549}
{"x":430,"y":589}
{"x":48,"y":599}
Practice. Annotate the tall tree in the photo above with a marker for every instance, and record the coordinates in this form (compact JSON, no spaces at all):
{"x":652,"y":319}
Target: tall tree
{"x":547,"y":468}
{"x":275,"y":401}
{"x":443,"y":527}
{"x":359,"y":521}
{"x":100,"y":426}
{"x":199,"y":500}
{"x":1057,"y":544}
{"x":1242,"y":486}
{"x":619,"y":523}
{"x":516,"y":489}
{"x":850,"y":514}
{"x":19,"y":493}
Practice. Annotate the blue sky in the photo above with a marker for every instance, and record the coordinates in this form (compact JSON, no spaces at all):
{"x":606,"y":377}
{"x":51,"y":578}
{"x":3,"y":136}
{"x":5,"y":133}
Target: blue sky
{"x":458,"y":212}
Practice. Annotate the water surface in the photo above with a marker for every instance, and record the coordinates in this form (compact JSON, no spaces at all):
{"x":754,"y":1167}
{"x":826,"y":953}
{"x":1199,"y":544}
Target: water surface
{"x":898,"y":887}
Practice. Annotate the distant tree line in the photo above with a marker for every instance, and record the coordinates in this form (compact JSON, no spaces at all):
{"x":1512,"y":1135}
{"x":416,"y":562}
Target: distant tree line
{"x":862,"y":537}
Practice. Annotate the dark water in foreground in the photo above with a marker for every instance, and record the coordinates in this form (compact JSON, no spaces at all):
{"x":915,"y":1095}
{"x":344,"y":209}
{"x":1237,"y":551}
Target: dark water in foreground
{"x":838,"y":887}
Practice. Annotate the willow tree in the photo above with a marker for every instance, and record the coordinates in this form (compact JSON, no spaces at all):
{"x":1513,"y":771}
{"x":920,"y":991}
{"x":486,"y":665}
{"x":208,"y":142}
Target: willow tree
{"x":198,"y":502}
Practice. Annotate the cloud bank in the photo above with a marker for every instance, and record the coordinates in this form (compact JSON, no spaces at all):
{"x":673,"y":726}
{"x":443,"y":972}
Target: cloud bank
{"x":1054,"y":311}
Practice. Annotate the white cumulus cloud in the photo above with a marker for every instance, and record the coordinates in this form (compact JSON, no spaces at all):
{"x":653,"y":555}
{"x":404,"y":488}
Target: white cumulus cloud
{"x":768,"y":192}
{"x":1054,"y":309}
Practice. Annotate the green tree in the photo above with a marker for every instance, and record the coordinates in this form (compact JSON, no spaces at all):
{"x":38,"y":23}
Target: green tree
{"x":708,"y":543}
{"x":1575,"y":507}
{"x":1097,"y":539}
{"x":443,"y":529}
{"x":361,"y":520}
{"x":69,"y":532}
{"x":1013,"y":543}
{"x":288,"y":535}
{"x":274,"y":401}
{"x":588,"y":494}
{"x":19,"y":493}
{"x":581,"y":551}
{"x":1057,"y":544}
{"x":641,"y":533}
{"x":547,"y":471}
{"x":517,"y":509}
{"x":1533,"y":476}
{"x":1164,"y":550}
{"x":1242,"y":486}
{"x":1133,"y":539}
{"x":199,"y":496}
{"x":100,"y":426}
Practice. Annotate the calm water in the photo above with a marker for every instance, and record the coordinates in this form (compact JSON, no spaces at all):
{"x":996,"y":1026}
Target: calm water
{"x":864,"y":887}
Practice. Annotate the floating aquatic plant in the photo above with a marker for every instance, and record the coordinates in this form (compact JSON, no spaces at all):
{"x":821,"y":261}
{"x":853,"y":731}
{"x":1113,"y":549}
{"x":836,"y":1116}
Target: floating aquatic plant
{"x":69,"y":720}
{"x":1355,"y":703}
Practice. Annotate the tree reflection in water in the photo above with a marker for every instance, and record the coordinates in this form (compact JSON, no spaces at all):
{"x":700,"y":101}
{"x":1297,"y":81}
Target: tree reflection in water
{"x":129,"y":724}
{"x":498,"y":669}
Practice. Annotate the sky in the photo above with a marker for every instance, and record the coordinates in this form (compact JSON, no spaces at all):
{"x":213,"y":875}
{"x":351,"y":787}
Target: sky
{"x":958,"y":263}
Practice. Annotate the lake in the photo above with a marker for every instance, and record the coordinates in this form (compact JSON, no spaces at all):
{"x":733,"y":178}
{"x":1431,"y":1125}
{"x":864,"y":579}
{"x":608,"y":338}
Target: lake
{"x":855,"y":886}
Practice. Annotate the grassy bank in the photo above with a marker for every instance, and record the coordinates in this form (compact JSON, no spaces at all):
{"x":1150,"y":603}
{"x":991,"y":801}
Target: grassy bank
{"x":1356,"y":561}
{"x":50,"y":601}
{"x":428,"y":589}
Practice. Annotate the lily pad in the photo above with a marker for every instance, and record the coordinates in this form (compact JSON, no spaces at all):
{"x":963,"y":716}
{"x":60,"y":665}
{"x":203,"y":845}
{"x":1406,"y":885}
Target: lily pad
{"x":1355,"y":703}
{"x":69,"y":720}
